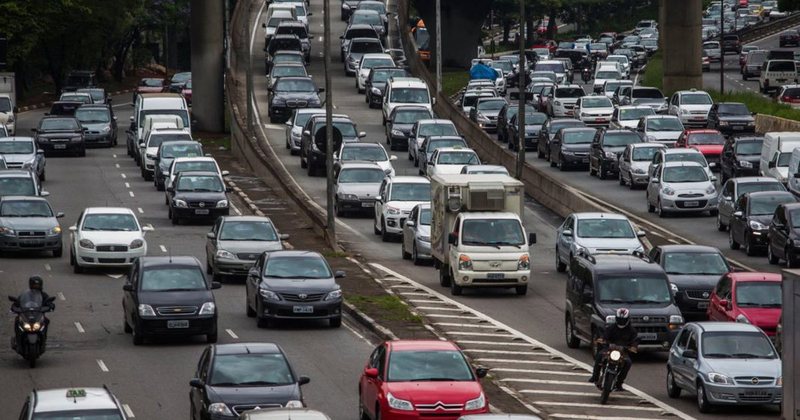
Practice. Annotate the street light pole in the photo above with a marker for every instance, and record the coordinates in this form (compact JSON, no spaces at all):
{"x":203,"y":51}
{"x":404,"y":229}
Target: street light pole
{"x":722,"y":53}
{"x":249,"y":87}
{"x":521,"y":86}
{"x":331,"y":222}
{"x":438,"y":46}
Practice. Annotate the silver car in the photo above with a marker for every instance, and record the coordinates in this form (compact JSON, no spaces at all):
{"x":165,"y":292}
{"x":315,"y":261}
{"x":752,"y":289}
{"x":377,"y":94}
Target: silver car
{"x":29,"y":224}
{"x":724,"y":363}
{"x":416,"y":243}
{"x":678,"y":187}
{"x":294,"y":127}
{"x":21,"y":153}
{"x":357,"y":186}
{"x":634,"y":163}
{"x":597,"y":233}
{"x":235,"y":243}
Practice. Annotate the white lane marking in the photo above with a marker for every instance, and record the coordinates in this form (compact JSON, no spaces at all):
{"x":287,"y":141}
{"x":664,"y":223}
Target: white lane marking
{"x":462,"y":317}
{"x":477,"y":334}
{"x":545,"y":372}
{"x":412,"y":294}
{"x":131,"y":193}
{"x":61,"y":296}
{"x":236,"y":210}
{"x":79,"y":327}
{"x":117,"y":165}
{"x":102,"y":365}
{"x":128,"y":411}
{"x":518,"y":361}
{"x":114,"y":276}
{"x":574,"y":394}
{"x":615,"y":407}
{"x":127,"y":185}
{"x":124,"y":176}
{"x":495,"y":343}
{"x":139,"y":209}
{"x":430,"y":308}
{"x":548,"y":382}
{"x":232,"y":334}
{"x":115,"y":156}
{"x":427,"y":301}
{"x":163,"y":248}
{"x":588,"y":417}
{"x":121,"y":105}
{"x":47,"y":267}
{"x":275,"y":127}
{"x":358,"y":334}
{"x":453,"y":324}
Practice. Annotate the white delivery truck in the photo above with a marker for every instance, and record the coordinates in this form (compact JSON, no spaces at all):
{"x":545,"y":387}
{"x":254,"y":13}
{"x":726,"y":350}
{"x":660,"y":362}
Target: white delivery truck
{"x":776,"y":153}
{"x":8,"y":102}
{"x":477,"y":235}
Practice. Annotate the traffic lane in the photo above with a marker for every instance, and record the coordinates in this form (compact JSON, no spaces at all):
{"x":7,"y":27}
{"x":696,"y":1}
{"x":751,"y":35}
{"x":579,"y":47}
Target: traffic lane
{"x":121,"y":104}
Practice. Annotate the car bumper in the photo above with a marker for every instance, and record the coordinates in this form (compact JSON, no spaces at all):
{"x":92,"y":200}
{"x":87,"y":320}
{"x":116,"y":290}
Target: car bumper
{"x":62,"y":147}
{"x":390,"y":414}
{"x":488,"y":126}
{"x":743,"y":395}
{"x":694,"y":120}
{"x":149,"y":164}
{"x":206,"y":324}
{"x":656,"y":337}
{"x":92,"y":258}
{"x":758,"y":238}
{"x":394,"y":223}
{"x":401,"y":140}
{"x":98,"y":139}
{"x":375,"y":99}
{"x":294,"y":143}
{"x":467,"y":278}
{"x":423,"y":249}
{"x":237,"y":267}
{"x":639,"y":179}
{"x":41,"y":243}
{"x":596,"y":121}
{"x":738,"y":128}
{"x":357,"y":205}
{"x":290,"y":310}
{"x":575,"y":159}
{"x":673,"y":204}
{"x":195,"y":213}
{"x":610,"y":165}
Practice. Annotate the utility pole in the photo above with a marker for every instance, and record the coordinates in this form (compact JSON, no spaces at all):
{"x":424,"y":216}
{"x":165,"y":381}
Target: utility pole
{"x":722,"y":53}
{"x":249,"y":80}
{"x":521,"y":85}
{"x":331,"y":225}
{"x":438,"y":46}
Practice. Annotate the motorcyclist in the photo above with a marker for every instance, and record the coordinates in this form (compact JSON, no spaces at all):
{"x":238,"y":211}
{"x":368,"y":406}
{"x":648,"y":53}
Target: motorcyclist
{"x":622,"y":334}
{"x":35,"y":293}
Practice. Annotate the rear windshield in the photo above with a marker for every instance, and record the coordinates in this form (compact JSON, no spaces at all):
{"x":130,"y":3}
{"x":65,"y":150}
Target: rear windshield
{"x":410,"y":117}
{"x":157,"y":139}
{"x":647,"y":93}
{"x":733,"y":109}
{"x":361,"y":33}
{"x":706,"y":138}
{"x":570,"y":92}
{"x":554,"y":67}
{"x":298,"y":30}
{"x":366,"y":47}
{"x":781,"y":66}
{"x":621,"y":139}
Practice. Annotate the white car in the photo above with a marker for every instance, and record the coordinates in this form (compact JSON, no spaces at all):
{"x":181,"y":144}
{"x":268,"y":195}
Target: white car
{"x":450,"y":160}
{"x":106,"y":237}
{"x":605,"y":74}
{"x":629,"y":116}
{"x":182,"y":164}
{"x":679,"y":187}
{"x":623,"y":60}
{"x":405,"y":91}
{"x":677,"y":155}
{"x":561,"y":102}
{"x":364,"y":152}
{"x":664,"y":129}
{"x":426,"y":128}
{"x":396,"y":197}
{"x":594,"y":110}
{"x":154,"y":139}
{"x":691,"y":106}
{"x":595,"y":233}
{"x":368,"y":61}
{"x":294,"y":127}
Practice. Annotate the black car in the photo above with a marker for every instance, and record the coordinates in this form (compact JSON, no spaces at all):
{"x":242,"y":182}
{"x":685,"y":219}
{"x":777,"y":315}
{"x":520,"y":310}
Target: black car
{"x":400,"y":122}
{"x":285,"y":42}
{"x":100,"y":124}
{"x":64,"y":108}
{"x":789,"y":37}
{"x":731,"y":43}
{"x":197,"y":195}
{"x":78,"y":79}
{"x":348,"y":7}
{"x":375,"y":84}
{"x":166,"y":154}
{"x":293,"y":285}
{"x":234,"y":378}
{"x":741,"y":156}
{"x":313,"y":146}
{"x":356,"y":31}
{"x":549,"y":130}
{"x":534,"y":121}
{"x":504,"y":116}
{"x":599,"y":285}
{"x":169,"y":296}
{"x":751,"y":218}
{"x":570,"y":147}
{"x":784,"y":235}
{"x":294,"y":27}
{"x":60,"y":134}
{"x":608,"y":144}
{"x":731,"y":118}
{"x":178,"y":81}
{"x":693,"y":271}
{"x":290,"y":93}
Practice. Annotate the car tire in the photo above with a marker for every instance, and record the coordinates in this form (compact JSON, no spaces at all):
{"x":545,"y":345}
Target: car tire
{"x":77,"y":269}
{"x":621,"y":179}
{"x":552,"y":163}
{"x":125,"y":326}
{"x":212,"y":338}
{"x":455,"y":289}
{"x":335,"y":322}
{"x":175,"y":219}
{"x":720,"y":226}
{"x":592,"y":172}
{"x":251,"y":313}
{"x":138,"y":336}
{"x":303,"y":163}
{"x":660,"y":210}
{"x":414,"y":255}
{"x":791,"y":262}
{"x":771,"y":256}
{"x":713,"y":212}
{"x":703,"y":405}
{"x":403,"y":253}
{"x":573,"y":341}
{"x":731,"y":241}
{"x":673,"y":390}
{"x":43,"y":177}
{"x":384,"y":234}
{"x":539,"y":152}
{"x":749,"y":249}
{"x":337,"y":209}
{"x":57,"y":253}
{"x":444,"y":279}
{"x":601,"y":172}
{"x":209,"y":269}
{"x":560,"y":266}
{"x":262,"y":322}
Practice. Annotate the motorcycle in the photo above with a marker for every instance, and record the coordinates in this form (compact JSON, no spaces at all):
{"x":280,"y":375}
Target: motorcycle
{"x":30,"y":336}
{"x":586,"y":75}
{"x":610,"y":369}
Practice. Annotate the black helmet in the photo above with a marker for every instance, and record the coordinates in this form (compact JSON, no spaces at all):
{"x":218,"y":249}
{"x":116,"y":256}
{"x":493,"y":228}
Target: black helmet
{"x":35,"y":283}
{"x":623,"y":317}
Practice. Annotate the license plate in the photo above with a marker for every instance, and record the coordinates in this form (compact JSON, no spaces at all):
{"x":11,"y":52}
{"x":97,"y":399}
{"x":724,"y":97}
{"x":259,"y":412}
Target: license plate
{"x":756,"y":393}
{"x":738,"y":127}
{"x":303,"y":309}
{"x":585,"y":160}
{"x":598,"y":119}
{"x":370,"y":204}
{"x":691,"y":204}
{"x":648,"y":336}
{"x":698,"y":118}
{"x":495,"y":276}
{"x":59,"y":146}
{"x":182,"y":323}
{"x":702,"y":305}
{"x":201,"y":211}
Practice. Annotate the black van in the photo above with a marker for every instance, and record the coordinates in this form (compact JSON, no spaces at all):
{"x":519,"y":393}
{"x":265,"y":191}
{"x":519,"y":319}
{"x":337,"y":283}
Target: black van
{"x":598,"y":285}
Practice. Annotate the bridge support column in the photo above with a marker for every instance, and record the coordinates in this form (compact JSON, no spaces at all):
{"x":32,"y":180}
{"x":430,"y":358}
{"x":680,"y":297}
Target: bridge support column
{"x":207,"y":64}
{"x":681,"y":48}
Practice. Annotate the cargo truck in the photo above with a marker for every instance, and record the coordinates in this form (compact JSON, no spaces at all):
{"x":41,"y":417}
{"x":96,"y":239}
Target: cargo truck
{"x":8,"y":102}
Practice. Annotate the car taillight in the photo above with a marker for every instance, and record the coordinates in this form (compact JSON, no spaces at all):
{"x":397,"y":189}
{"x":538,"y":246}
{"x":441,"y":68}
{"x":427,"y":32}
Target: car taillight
{"x":790,"y":99}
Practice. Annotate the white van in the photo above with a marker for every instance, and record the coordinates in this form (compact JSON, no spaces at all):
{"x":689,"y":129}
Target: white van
{"x":777,"y":152}
{"x":775,"y":73}
{"x":161,"y":104}
{"x":793,"y":175}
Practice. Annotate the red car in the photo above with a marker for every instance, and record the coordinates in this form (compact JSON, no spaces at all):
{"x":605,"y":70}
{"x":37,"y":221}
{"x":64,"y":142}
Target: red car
{"x":186,"y":91}
{"x":753,"y":298}
{"x":415,"y":379}
{"x":150,"y":85}
{"x":551,"y":45}
{"x":708,"y":142}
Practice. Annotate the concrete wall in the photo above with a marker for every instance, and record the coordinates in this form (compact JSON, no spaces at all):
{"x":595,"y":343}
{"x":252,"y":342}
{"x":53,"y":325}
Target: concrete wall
{"x":207,"y":33}
{"x":680,"y":31}
{"x":767,"y":123}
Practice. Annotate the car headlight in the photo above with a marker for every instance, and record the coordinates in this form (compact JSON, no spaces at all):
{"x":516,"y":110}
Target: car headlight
{"x":524,"y":262}
{"x":675,"y":319}
{"x":464,"y":262}
{"x":222,"y":203}
{"x":27,"y":165}
{"x":751,"y":124}
{"x":615,"y":355}
{"x":668,"y":191}
{"x":136,"y":244}
{"x":742,"y":319}
{"x":345,"y":6}
{"x":779,"y":381}
{"x":85,"y":243}
{"x":482,"y":118}
{"x":718,"y":378}
{"x":684,"y":111}
{"x":55,"y":231}
{"x":219,"y":409}
{"x":711,"y":189}
{"x":179,"y":203}
{"x":76,"y":139}
{"x":610,"y":319}
{"x":336,"y":294}
{"x":269,"y":294}
{"x":639,"y":171}
{"x":208,"y":308}
{"x":376,"y":91}
{"x":221,"y":253}
{"x":756,"y":225}
{"x":611,"y":155}
{"x":399,"y":404}
{"x":397,"y":133}
{"x":150,"y":156}
{"x":476,"y":404}
{"x":746,"y":164}
{"x":146,"y":310}
{"x":7,"y":231}
{"x":350,"y":197}
{"x":294,"y":404}
{"x":674,"y":287}
{"x":557,"y":103}
{"x":424,"y":238}
{"x":392,"y":210}
{"x":165,"y":173}
{"x":723,"y":123}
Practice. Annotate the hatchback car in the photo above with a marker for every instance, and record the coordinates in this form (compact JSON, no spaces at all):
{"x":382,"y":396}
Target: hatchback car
{"x":629,"y":116}
{"x":595,"y":233}
{"x":20,"y":182}
{"x":634,"y":162}
{"x":397,"y":196}
{"x":364,"y":152}
{"x":294,"y":127}
{"x":21,"y":153}
{"x":594,"y":110}
{"x":432,"y":143}
{"x":748,"y":298}
{"x":419,"y":378}
{"x":152,"y":307}
{"x":784,"y":235}
{"x":751,"y":219}
{"x":184,"y":164}
{"x":724,"y":364}
{"x":427,"y":128}
{"x":691,"y":106}
{"x":60,"y":134}
{"x":313,"y":142}
{"x":606,"y":148}
{"x":735,"y":188}
{"x":367,"y":63}
{"x":197,"y":195}
{"x":570,"y":147}
{"x":106,"y":237}
{"x":416,"y":242}
{"x":293,"y":285}
{"x":664,"y":129}
{"x":549,"y":130}
{"x":166,"y":155}
{"x":356,"y":50}
{"x":485,"y":113}
{"x":681,"y":187}
{"x":232,"y":379}
{"x":29,"y":224}
{"x":235,"y":242}
{"x":450,"y":160}
{"x":357,"y":184}
{"x":100,"y":124}
{"x":375,"y":83}
{"x":534,"y":121}
{"x":708,"y":142}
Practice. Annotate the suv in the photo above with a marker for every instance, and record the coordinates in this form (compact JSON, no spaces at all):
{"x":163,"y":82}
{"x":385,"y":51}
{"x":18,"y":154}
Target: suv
{"x":197,"y":195}
{"x":741,"y":156}
{"x":72,"y":403}
{"x":595,"y":233}
{"x":401,"y":121}
{"x":599,"y":285}
{"x":313,"y":142}
{"x":375,"y":84}
{"x":691,"y":106}
{"x":78,"y":79}
{"x":731,"y":43}
{"x":752,"y":63}
{"x":405,"y":91}
{"x":396,"y":197}
{"x":607,"y":146}
{"x":562,"y":101}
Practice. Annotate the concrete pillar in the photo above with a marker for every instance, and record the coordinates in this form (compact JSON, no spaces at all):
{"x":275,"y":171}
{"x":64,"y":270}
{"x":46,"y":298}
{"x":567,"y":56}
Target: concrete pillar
{"x":207,"y":64}
{"x":681,"y":48}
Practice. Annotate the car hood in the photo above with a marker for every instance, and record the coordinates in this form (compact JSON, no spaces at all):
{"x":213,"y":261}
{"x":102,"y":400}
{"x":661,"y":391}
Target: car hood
{"x":442,"y":169}
{"x":762,"y":317}
{"x":598,"y":111}
{"x":693,"y":108}
{"x":405,"y":206}
{"x":177,"y":298}
{"x":745,"y":367}
{"x":694,"y":281}
{"x":649,"y":101}
{"x":627,"y":123}
{"x":250,"y":395}
{"x":764,"y":219}
{"x":95,"y":126}
{"x":300,"y":285}
{"x":533,"y":129}
{"x":621,"y":244}
{"x":105,"y":237}
{"x":360,"y":189}
{"x":737,"y":119}
{"x":688,"y":187}
{"x":665,"y":135}
{"x":749,"y":158}
{"x":285,"y":96}
{"x":250,"y":247}
{"x":19,"y":158}
{"x":433,"y":392}
{"x":57,"y":134}
{"x":29,"y":223}
{"x":200,"y":196}
{"x":405,"y":128}
{"x":708,"y":149}
{"x":493,"y":113}
{"x":576,"y":147}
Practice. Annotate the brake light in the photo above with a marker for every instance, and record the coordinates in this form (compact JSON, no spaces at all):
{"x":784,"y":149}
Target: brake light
{"x":790,"y":99}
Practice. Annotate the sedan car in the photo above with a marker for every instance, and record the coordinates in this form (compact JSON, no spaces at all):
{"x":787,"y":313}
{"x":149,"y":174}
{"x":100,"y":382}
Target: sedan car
{"x":152,"y":307}
{"x":708,"y":142}
{"x":400,"y":123}
{"x":450,"y":160}
{"x":534,"y":122}
{"x":29,"y":224}
{"x":100,"y":124}
{"x":549,"y":130}
{"x":748,"y":298}
{"x":727,"y":363}
{"x":293,"y":285}
{"x":167,"y":153}
{"x":235,"y":242}
{"x":106,"y":237}
{"x":416,"y":241}
{"x":60,"y":134}
{"x":289,"y":93}
{"x":432,"y":143}
{"x":485,"y":113}
{"x":594,"y":110}
{"x":232,"y":379}
{"x":629,"y":116}
{"x":357,"y":185}
{"x":294,"y":127}
{"x":634,"y":163}
{"x":364,"y":152}
{"x":21,"y":153}
{"x":595,"y":233}
{"x":752,"y":217}
{"x":735,"y":188}
{"x":398,"y":195}
{"x":681,"y":187}
{"x":285,"y":70}
{"x":427,"y":128}
{"x":570,"y":147}
{"x":418,"y":379}
{"x":197,"y":195}
{"x":731,"y":118}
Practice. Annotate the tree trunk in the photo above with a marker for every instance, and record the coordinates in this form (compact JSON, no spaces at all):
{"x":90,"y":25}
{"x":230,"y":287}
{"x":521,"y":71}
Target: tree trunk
{"x":506,"y":30}
{"x":530,"y":31}
{"x":552,"y":26}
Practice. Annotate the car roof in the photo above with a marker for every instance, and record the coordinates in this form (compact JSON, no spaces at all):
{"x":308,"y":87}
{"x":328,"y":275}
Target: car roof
{"x":246,"y":348}
{"x":247,"y":218}
{"x":285,"y":413}
{"x":755,"y":276}
{"x":409,"y":179}
{"x":377,"y":55}
{"x":291,"y":253}
{"x":195,"y":159}
{"x":50,"y":400}
{"x":8,"y":173}
{"x":659,"y":116}
{"x":407,"y":82}
{"x":16,"y":138}
{"x":676,"y":164}
{"x":758,"y":194}
{"x":310,"y":110}
{"x":671,"y":151}
{"x":454,"y":149}
{"x":627,"y":263}
{"x":106,"y":210}
{"x":199,"y":173}
{"x":576,"y":129}
{"x":656,"y":145}
{"x":689,"y":248}
{"x":701,"y":131}
{"x":748,"y":179}
{"x":726,"y":327}
{"x":179,"y":142}
{"x":598,"y":215}
{"x":434,"y":121}
{"x":152,"y":261}
{"x":292,"y":23}
{"x":362,"y":145}
{"x":22,"y":197}
{"x":402,"y":345}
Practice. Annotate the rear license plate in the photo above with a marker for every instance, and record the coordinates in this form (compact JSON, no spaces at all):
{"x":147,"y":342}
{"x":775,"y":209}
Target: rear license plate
{"x":598,"y":119}
{"x":691,"y":203}
{"x":181,"y":323}
{"x":648,"y":336}
{"x":585,"y":160}
{"x":495,"y":276}
{"x":738,"y":127}
{"x":59,"y":146}
{"x":303,"y":309}
{"x":702,"y":305}
{"x":370,"y":204}
{"x":201,"y":211}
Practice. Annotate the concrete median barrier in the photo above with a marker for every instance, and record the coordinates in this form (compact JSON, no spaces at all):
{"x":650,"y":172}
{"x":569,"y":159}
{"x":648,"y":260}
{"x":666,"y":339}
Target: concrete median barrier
{"x":768,"y":123}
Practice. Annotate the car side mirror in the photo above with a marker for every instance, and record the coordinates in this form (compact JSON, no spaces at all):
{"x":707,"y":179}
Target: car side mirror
{"x":641,"y":234}
{"x":59,"y":215}
{"x":531,"y":238}
{"x":433,"y":101}
{"x":211,"y":235}
{"x":44,"y":194}
{"x":141,"y":144}
{"x":727,"y":197}
{"x":411,"y":223}
{"x":452,"y":238}
{"x":39,"y":152}
{"x":307,"y":133}
{"x":303,"y":380}
{"x":362,"y":134}
{"x":339,"y":274}
{"x":288,"y":123}
{"x":147,"y":228}
{"x":34,"y":130}
{"x":567,"y":232}
{"x":216,"y":285}
{"x":320,"y":90}
{"x":228,"y":189}
{"x":738,"y":213}
{"x":263,"y":25}
{"x":371,"y":372}
{"x":131,"y":118}
{"x":690,"y":354}
{"x":127,"y":287}
{"x":253,"y":272}
{"x":654,"y":180}
{"x":73,"y":228}
{"x":481,"y":372}
{"x":197,"y":383}
{"x":713,"y":179}
{"x":225,"y":173}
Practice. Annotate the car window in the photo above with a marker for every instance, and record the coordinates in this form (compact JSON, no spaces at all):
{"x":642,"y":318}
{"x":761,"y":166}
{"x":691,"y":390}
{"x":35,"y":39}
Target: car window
{"x":172,"y":279}
{"x":632,"y":289}
{"x":762,"y":206}
{"x":681,"y":174}
{"x":698,"y":263}
{"x":410,"y":192}
{"x":17,"y":186}
{"x":361,"y":175}
{"x":737,"y":345}
{"x":156,"y":139}
{"x":110,"y":222}
{"x":16,"y":147}
{"x":620,"y":139}
{"x":644,"y":154}
{"x":492,"y":232}
{"x":437,"y":129}
{"x":691,"y":344}
{"x":425,"y":216}
{"x":294,"y":85}
{"x":92,"y":115}
{"x":199,"y":183}
{"x":236,"y":230}
{"x":683,"y":339}
{"x":422,"y":365}
{"x":300,"y":267}
{"x":202,"y":165}
{"x":604,"y":228}
{"x":59,"y":124}
{"x":251,"y":369}
{"x":758,"y":294}
{"x":25,"y":208}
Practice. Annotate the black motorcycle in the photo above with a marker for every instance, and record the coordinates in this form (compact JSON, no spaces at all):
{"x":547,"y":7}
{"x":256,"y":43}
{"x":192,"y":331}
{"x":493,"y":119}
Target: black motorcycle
{"x":610,"y":369}
{"x":30,"y":335}
{"x":586,"y":75}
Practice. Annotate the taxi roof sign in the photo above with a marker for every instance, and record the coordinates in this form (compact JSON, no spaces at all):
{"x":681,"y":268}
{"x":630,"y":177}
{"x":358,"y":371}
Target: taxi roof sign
{"x":76,"y":393}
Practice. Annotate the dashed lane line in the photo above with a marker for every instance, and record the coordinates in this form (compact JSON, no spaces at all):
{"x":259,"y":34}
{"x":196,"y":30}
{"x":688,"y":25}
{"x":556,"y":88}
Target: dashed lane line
{"x":127,"y":185}
{"x":128,"y":411}
{"x":139,"y":209}
{"x":589,"y":405}
{"x":48,"y":268}
{"x":131,"y":193}
{"x":123,"y":176}
{"x":561,"y":392}
{"x":518,"y":361}
{"x":61,"y":296}
{"x":102,"y":365}
{"x":117,"y":165}
{"x":163,"y":248}
{"x":79,"y":327}
{"x":232,"y":334}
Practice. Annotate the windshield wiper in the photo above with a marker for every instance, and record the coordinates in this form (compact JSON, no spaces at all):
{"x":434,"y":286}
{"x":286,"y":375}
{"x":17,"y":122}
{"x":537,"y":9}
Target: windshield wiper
{"x":505,"y":243}
{"x":646,"y":301}
{"x":224,"y":384}
{"x":262,"y":383}
{"x":718,"y":355}
{"x":435,"y":380}
{"x":748,"y":356}
{"x":179,"y":289}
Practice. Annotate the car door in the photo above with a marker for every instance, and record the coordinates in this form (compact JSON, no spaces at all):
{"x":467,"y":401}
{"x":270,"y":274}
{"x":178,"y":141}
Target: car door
{"x":738,"y":224}
{"x":720,"y":298}
{"x":412,"y":138}
{"x":197,"y":396}
{"x":673,"y":105}
{"x":379,"y":203}
{"x":564,"y":242}
{"x":211,"y":243}
{"x":625,"y":161}
{"x":75,"y":236}
{"x":712,"y":117}
{"x":585,"y":310}
{"x":408,"y":231}
{"x":675,"y":358}
{"x":726,"y":202}
{"x":253,"y":280}
{"x":653,"y":187}
{"x":657,"y":159}
{"x":778,"y":232}
{"x":130,"y":301}
{"x":430,"y":167}
{"x":371,"y":387}
{"x":595,"y":153}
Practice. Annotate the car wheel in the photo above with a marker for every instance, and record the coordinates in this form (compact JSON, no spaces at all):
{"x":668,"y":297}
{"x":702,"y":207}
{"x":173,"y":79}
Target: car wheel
{"x":138,"y":336}
{"x":212,"y":338}
{"x":720,"y":226}
{"x":660,"y":210}
{"x":335,"y":322}
{"x":43,"y":177}
{"x":57,"y":253}
{"x":771,"y":256}
{"x":455,"y":289}
{"x":125,"y":326}
{"x":573,"y":341}
{"x":337,"y":209}
{"x":702,"y":401}
{"x":595,"y":346}
{"x":749,"y":249}
{"x":592,"y":172}
{"x":621,"y":179}
{"x":791,"y":261}
{"x":209,"y":270}
{"x":251,"y":313}
{"x":444,"y":277}
{"x":362,"y":414}
{"x":713,"y":212}
{"x":673,"y":390}
{"x":560,"y":266}
{"x":384,"y":234}
{"x":174,"y":218}
{"x":650,"y":207}
{"x":553,"y":163}
{"x":731,"y":241}
{"x":262,"y":322}
{"x":539,"y":152}
{"x":414,"y":256}
{"x":403,"y":253}
{"x":303,"y":163}
{"x":77,"y":269}
{"x":601,"y":172}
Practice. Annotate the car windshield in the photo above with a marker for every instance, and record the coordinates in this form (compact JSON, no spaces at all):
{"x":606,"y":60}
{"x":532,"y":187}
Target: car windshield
{"x":152,"y":82}
{"x":288,"y":71}
{"x":411,"y":116}
{"x":706,"y":138}
{"x":437,"y":129}
{"x":649,"y":43}
{"x":569,"y":92}
{"x":301,"y":118}
{"x":347,"y":128}
{"x":613,"y":85}
{"x":664,"y":124}
{"x":300,"y":10}
{"x":428,"y":366}
{"x":110,"y":222}
{"x":300,"y":267}
{"x":737,"y":345}
{"x":86,"y":99}
{"x":411,"y":192}
{"x":371,"y":154}
{"x":535,"y":118}
{"x":604,"y":228}
{"x":763,"y":206}
{"x":361,"y":176}
{"x":470,"y":100}
{"x":17,"y":186}
{"x":491,"y":105}
{"x":596,"y":102}
{"x":578,"y":136}
{"x":376,"y":6}
{"x":172,"y":279}
{"x":25,"y":208}
{"x":647,"y":93}
{"x":79,"y":415}
{"x":287,"y":58}
{"x":425,"y":216}
{"x":644,"y":154}
{"x":711,"y":45}
{"x":698,"y":263}
{"x":250,"y":369}
{"x":696,"y":99}
{"x":503,"y":65}
{"x":410,"y":95}
{"x":492,"y":232}
{"x":92,"y":115}
{"x":275,"y":21}
{"x":597,"y":47}
{"x":382,"y":76}
{"x":685,"y":174}
{"x":156,"y":139}
{"x":631,"y":289}
{"x":749,"y":147}
{"x":181,"y":150}
{"x":733,"y":109}
{"x":247,"y":230}
{"x":202,"y":183}
{"x":368,"y":18}
{"x":554,"y":67}
{"x":16,"y":147}
{"x":178,"y":112}
{"x":781,"y":65}
{"x":5,"y":105}
{"x":621,"y":139}
{"x":369,"y":63}
{"x":202,"y":166}
{"x":458,"y":158}
{"x":57,"y":124}
{"x":746,"y":187}
{"x":437,"y":144}
{"x":295,"y":85}
{"x":686,"y":157}
{"x":634,"y":114}
{"x":607,"y":75}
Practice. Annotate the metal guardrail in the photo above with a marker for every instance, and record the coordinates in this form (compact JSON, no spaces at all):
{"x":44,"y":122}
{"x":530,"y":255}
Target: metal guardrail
{"x":772,"y":27}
